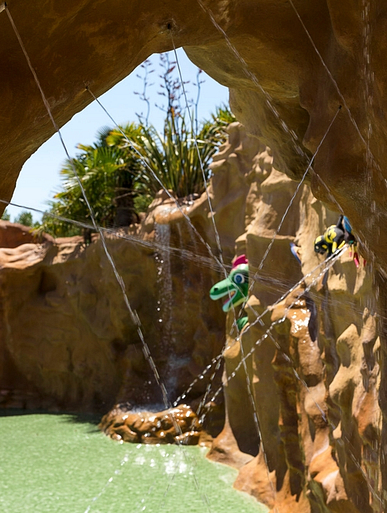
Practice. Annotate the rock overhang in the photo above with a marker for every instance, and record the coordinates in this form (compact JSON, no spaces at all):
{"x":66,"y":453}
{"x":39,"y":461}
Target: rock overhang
{"x":289,"y":67}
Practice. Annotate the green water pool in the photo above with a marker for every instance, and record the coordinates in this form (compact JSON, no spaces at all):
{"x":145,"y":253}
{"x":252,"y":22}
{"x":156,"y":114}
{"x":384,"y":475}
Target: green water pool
{"x":63,"y":464}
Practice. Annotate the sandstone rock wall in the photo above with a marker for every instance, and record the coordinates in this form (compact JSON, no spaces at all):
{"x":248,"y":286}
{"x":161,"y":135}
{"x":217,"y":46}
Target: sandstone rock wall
{"x":289,"y":66}
{"x":61,"y":305}
{"x":313,"y":369}
{"x":302,"y":387}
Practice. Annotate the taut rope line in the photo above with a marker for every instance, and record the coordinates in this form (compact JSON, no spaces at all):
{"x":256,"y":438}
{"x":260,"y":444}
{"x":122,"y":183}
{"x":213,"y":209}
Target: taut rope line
{"x":133,"y":313}
{"x":155,"y":176}
{"x":118,"y":277}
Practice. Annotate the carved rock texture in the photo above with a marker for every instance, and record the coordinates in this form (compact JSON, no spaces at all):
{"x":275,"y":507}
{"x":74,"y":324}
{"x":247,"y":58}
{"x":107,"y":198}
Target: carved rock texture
{"x":176,"y":425}
{"x":302,"y":383}
{"x":84,"y":350}
{"x":316,"y":392}
{"x":289,"y":65}
{"x":308,"y":378}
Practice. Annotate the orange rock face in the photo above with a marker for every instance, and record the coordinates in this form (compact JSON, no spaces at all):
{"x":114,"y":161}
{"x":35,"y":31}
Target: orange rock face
{"x":288,"y":66}
{"x":12,"y":236}
{"x":312,"y":405}
{"x":302,"y":383}
{"x":302,"y":379}
{"x":178,"y":425}
{"x":85,"y":351}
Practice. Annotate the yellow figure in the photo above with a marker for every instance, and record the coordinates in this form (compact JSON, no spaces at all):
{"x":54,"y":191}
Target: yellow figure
{"x":332,"y":239}
{"x":335,"y":237}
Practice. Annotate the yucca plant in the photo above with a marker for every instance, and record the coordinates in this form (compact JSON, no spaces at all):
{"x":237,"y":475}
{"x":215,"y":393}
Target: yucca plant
{"x":177,"y":159}
{"x":122,"y":172}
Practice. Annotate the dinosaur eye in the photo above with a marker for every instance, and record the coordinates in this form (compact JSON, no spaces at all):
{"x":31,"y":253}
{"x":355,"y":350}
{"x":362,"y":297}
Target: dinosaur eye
{"x":239,"y":278}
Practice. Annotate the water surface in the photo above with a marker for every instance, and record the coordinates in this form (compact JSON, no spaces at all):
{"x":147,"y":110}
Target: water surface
{"x":63,"y":464}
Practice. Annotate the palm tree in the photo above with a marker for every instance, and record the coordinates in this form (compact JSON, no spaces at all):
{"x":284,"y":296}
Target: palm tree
{"x":106,"y":176}
{"x":125,"y":168}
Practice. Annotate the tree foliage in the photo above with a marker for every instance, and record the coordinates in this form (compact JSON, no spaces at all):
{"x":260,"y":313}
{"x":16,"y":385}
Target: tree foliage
{"x":123,"y":170}
{"x":105,"y":173}
{"x":25,"y":218}
{"x":5,"y":216}
{"x":177,"y":159}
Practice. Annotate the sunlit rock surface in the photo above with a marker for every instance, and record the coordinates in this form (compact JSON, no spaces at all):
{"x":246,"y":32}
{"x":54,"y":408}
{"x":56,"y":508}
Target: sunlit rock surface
{"x":61,"y":305}
{"x":178,"y":425}
{"x":301,"y":386}
{"x":289,"y":66}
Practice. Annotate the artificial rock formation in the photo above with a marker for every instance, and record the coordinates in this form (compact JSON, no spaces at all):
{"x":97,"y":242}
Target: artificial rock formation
{"x":309,"y":374}
{"x":301,"y":382}
{"x":289,"y":66}
{"x":84,"y":351}
{"x":178,"y":425}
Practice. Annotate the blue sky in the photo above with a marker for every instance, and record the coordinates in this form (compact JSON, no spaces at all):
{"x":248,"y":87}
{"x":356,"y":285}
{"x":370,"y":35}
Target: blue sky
{"x":40,"y":179}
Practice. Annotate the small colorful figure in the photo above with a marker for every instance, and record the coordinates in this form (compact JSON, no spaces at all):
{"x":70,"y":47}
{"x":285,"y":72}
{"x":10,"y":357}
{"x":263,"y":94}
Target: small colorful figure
{"x":350,"y":239}
{"x":330,"y":241}
{"x":235,"y":287}
{"x":335,"y":237}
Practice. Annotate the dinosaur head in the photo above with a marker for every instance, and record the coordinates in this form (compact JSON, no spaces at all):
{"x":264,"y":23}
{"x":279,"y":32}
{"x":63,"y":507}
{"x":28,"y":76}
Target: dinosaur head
{"x":235,"y":287}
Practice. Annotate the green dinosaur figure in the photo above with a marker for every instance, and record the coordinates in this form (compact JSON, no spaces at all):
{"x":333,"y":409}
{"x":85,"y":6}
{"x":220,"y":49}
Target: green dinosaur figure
{"x":235,"y":287}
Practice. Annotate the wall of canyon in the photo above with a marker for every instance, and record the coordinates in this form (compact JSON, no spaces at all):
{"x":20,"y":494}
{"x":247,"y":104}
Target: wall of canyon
{"x":309,"y":404}
{"x":300,"y":386}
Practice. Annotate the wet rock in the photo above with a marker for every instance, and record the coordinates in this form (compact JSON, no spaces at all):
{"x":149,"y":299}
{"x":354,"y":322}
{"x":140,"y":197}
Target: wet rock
{"x":178,"y":425}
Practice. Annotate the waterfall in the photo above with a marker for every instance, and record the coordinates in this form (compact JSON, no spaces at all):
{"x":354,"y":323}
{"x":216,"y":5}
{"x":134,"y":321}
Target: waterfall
{"x":165,"y":299}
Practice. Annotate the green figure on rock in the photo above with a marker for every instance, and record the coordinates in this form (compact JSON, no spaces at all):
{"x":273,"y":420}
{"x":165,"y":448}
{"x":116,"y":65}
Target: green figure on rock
{"x":235,"y":288}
